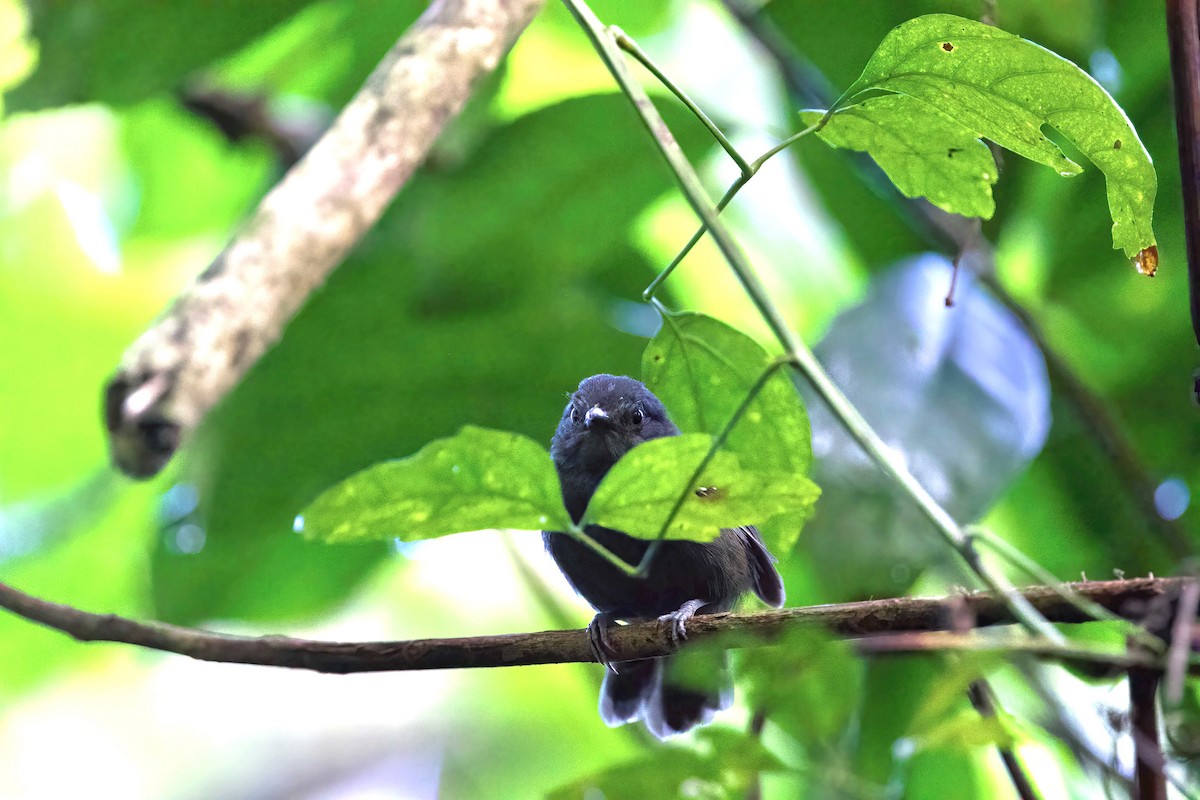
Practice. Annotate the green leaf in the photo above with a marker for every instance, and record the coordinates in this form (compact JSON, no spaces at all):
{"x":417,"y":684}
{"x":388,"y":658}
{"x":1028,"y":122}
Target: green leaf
{"x":640,"y":491}
{"x":477,"y":479}
{"x":924,"y":152}
{"x":702,"y":369}
{"x":1005,"y":88}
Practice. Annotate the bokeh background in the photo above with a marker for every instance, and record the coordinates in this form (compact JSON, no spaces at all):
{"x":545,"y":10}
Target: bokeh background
{"x":511,"y":267}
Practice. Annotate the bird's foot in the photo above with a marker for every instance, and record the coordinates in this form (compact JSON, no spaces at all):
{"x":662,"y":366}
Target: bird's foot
{"x":678,"y":620}
{"x":597,"y":631}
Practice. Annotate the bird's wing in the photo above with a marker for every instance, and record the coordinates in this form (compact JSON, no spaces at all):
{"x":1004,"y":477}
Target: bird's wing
{"x":767,"y":583}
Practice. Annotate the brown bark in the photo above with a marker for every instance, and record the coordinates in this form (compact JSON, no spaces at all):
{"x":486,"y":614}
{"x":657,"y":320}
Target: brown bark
{"x":237,"y":308}
{"x":906,"y":617}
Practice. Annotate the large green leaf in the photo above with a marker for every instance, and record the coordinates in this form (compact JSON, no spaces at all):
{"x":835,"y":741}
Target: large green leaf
{"x":849,"y":188}
{"x":477,"y":479}
{"x":638,"y":494}
{"x":1005,"y":88}
{"x":924,"y":152}
{"x":702,"y":370}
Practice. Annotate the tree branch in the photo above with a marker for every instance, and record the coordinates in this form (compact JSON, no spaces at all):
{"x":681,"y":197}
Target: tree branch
{"x":906,"y":617}
{"x":238,"y":307}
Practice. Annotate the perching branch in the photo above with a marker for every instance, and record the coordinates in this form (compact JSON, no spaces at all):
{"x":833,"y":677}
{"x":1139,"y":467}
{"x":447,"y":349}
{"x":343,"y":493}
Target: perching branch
{"x":909,"y":620}
{"x":237,"y":308}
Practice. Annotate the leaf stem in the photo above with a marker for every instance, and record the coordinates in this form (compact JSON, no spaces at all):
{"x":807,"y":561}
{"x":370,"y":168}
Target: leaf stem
{"x":797,"y":352}
{"x":630,"y":46}
{"x":579,"y":533}
{"x":730,"y":193}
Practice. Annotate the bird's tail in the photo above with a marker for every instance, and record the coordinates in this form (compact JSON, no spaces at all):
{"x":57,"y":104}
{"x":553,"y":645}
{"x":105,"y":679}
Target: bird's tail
{"x":671,"y":695}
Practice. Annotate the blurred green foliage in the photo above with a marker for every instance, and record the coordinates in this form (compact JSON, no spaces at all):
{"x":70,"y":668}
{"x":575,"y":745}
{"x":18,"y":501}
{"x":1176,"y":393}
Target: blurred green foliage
{"x":504,"y":273}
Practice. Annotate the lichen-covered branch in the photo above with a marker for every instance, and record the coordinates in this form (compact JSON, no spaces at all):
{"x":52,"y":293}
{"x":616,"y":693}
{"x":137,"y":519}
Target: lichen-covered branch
{"x":908,"y":619}
{"x":238,"y":307}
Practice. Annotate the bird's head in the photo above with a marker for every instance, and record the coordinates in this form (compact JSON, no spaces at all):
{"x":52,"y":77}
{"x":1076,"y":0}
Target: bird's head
{"x":606,"y":417}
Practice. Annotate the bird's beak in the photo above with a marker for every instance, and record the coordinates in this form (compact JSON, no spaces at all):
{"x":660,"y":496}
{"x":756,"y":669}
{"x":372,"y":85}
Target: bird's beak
{"x":596,"y":416}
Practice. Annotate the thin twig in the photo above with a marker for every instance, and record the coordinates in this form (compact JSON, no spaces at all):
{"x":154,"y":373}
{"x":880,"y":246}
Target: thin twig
{"x":237,"y":308}
{"x":909,"y":615}
{"x":630,"y":46}
{"x":242,"y":115}
{"x":984,"y":702}
{"x":911,"y":642}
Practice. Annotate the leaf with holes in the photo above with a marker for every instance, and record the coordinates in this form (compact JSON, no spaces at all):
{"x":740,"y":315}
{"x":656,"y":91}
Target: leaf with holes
{"x":1005,"y":88}
{"x":476,"y":479}
{"x":702,"y":369}
{"x":924,"y":152}
{"x":640,"y":492}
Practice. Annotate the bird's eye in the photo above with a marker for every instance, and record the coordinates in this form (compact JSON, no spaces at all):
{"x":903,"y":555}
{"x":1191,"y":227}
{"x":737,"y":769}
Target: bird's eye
{"x":637,"y":416}
{"x":574,"y":413}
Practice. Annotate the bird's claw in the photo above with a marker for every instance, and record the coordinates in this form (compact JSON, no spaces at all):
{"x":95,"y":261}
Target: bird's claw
{"x":597,"y":631}
{"x":677,"y":620}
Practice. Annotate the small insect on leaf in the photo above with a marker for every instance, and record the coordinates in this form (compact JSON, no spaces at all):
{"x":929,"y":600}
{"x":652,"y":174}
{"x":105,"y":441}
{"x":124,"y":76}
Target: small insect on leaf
{"x":690,"y":356}
{"x":1146,"y":261}
{"x":640,"y":494}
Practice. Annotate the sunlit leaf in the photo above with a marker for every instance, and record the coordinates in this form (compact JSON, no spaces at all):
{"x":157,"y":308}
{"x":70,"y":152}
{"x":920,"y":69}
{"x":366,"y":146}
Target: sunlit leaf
{"x":476,"y":479}
{"x":640,"y":491}
{"x":924,"y":152}
{"x":1005,"y":88}
{"x":702,"y":370}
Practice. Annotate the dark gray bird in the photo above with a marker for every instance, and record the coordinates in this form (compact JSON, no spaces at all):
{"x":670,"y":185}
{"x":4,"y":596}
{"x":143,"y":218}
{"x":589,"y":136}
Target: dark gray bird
{"x":606,"y":417}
